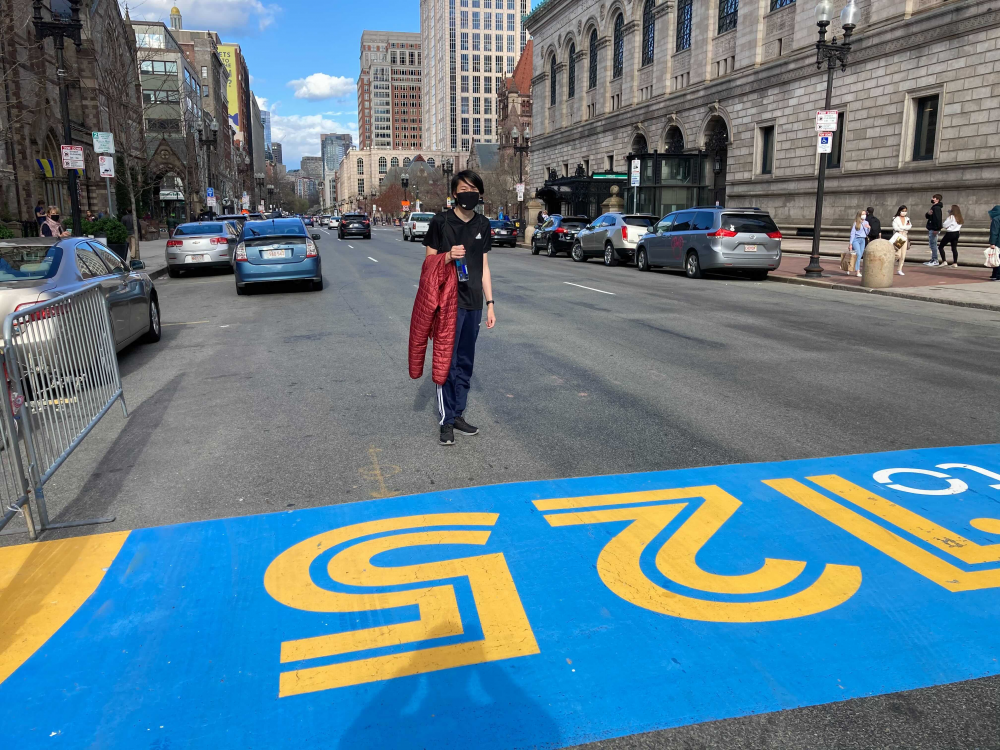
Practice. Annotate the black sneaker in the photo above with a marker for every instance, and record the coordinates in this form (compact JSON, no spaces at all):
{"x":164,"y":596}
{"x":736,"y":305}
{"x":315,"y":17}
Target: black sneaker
{"x":464,"y":427}
{"x":447,"y":435}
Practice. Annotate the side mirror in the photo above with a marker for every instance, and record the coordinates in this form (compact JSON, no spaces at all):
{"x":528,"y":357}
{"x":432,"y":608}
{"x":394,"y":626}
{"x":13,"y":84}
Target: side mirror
{"x":315,"y":236}
{"x":137,"y":265}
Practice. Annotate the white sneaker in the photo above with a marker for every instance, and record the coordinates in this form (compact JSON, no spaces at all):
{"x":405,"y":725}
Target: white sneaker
{"x":859,"y":274}
{"x":901,"y":273}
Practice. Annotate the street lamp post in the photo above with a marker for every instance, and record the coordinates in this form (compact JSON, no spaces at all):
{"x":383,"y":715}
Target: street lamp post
{"x":521,"y":148}
{"x":833,"y":54}
{"x":447,"y":169}
{"x":404,"y":181}
{"x":209,"y":143}
{"x":59,"y":27}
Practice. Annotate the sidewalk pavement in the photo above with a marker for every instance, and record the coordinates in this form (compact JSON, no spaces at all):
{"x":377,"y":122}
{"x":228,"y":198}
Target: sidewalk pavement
{"x":154,"y":255}
{"x":966,"y":286}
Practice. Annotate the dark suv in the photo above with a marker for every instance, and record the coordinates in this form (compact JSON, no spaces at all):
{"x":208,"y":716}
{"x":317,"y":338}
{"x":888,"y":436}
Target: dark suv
{"x":557,"y":234}
{"x":357,"y":224}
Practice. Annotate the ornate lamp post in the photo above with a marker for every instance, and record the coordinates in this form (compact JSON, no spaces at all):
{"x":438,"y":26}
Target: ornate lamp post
{"x":208,"y":143}
{"x":447,"y":169}
{"x":520,"y":147}
{"x":404,"y":182}
{"x":834,"y":55}
{"x":59,"y":26}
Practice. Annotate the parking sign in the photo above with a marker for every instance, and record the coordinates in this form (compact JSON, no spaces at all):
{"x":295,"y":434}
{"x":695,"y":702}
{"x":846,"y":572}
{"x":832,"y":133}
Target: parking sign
{"x":826,"y":120}
{"x":825,"y":143}
{"x":635,"y":173}
{"x":107,"y":165}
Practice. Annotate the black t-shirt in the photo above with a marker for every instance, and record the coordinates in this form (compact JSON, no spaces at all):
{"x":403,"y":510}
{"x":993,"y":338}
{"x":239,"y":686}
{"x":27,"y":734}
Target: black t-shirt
{"x":447,"y":229}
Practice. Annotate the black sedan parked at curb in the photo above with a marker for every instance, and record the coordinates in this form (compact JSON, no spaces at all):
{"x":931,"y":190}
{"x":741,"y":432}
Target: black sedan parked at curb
{"x":557,"y":234}
{"x":503,"y":232}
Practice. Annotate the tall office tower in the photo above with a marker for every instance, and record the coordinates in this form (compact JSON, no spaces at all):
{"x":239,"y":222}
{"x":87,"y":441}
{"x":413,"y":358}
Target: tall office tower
{"x":276,"y":152}
{"x":333,"y":146}
{"x":470,"y":47}
{"x":265,"y":117}
{"x":389,"y":91}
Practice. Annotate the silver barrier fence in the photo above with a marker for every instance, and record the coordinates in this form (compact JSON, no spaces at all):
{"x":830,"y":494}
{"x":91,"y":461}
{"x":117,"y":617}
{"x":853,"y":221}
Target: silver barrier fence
{"x":62,"y":372}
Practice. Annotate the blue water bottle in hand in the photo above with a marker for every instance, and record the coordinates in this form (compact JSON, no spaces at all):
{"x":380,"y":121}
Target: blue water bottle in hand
{"x":463,"y":271}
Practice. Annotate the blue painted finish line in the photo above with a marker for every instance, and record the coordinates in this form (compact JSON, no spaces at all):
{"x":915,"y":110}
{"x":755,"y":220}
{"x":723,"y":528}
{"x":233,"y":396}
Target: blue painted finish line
{"x":541,"y":614}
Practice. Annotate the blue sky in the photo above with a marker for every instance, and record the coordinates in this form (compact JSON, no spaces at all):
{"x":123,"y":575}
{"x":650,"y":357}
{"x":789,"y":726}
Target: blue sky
{"x":302,"y":56}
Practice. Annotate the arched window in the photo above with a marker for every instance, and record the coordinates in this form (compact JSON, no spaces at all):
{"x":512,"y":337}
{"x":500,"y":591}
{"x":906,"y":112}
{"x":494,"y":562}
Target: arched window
{"x":394,"y":163}
{"x":552,"y":81}
{"x":431,"y":162}
{"x":618,"y":60}
{"x":406,"y":162}
{"x":639,"y":144}
{"x":592,"y":61}
{"x":648,"y":32}
{"x":674,"y":140}
{"x":571,"y":75}
{"x":383,"y":165}
{"x":361,"y":166}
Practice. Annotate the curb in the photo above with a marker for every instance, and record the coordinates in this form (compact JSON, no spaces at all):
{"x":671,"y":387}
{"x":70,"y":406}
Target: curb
{"x":882,"y":292}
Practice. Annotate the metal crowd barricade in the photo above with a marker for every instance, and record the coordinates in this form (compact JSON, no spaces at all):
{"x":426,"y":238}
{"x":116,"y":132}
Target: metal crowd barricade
{"x":13,"y":487}
{"x":62,"y":371}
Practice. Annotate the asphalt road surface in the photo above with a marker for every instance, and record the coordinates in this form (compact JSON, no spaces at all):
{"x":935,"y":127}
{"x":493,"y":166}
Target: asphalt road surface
{"x":288,"y":399}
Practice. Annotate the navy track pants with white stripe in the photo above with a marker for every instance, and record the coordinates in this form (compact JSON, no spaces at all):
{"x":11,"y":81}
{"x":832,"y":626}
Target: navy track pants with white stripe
{"x":454,"y":394}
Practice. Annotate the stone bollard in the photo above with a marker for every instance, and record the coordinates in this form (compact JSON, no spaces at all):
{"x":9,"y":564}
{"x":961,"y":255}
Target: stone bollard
{"x":879,"y":264}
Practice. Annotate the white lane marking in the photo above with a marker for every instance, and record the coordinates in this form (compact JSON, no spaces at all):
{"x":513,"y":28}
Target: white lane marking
{"x":372,"y":259}
{"x":351,"y":246}
{"x":589,"y":287}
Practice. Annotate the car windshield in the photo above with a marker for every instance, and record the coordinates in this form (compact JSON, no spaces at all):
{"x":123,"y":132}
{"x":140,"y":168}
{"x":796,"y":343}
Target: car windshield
{"x":573,"y":221}
{"x":26,"y":262}
{"x":497,"y":224}
{"x":193,"y":229}
{"x":279,"y":227}
{"x":421,"y":217}
{"x":639,"y":221}
{"x":750,"y":223}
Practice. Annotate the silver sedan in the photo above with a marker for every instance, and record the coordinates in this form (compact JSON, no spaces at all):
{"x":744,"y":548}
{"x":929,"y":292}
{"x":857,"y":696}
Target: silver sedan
{"x":201,"y":244}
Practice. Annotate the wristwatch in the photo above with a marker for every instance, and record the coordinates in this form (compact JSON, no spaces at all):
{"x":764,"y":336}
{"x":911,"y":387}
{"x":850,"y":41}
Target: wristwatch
{"x":489,"y":302}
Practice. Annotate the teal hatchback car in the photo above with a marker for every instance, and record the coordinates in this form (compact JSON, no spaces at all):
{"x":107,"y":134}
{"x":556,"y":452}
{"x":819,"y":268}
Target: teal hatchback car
{"x":276,"y":250}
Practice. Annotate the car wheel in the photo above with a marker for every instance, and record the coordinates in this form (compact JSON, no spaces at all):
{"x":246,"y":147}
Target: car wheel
{"x":641,"y":261}
{"x":368,"y":236}
{"x":316,"y":286}
{"x":173,"y":272}
{"x":241,"y":290}
{"x":577,"y":253}
{"x":692,"y":266}
{"x":153,"y":334}
{"x":610,"y":259}
{"x":534,"y":247}
{"x":550,"y":248}
{"x":758,"y":274}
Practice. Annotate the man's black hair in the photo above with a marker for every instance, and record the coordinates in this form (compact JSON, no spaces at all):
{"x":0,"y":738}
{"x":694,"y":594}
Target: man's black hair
{"x":467,"y":175}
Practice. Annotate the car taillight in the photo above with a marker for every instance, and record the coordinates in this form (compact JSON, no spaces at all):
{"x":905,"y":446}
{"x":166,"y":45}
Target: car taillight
{"x":493,"y":233}
{"x":311,"y":250}
{"x":175,"y":243}
{"x":413,"y":226}
{"x":47,"y":312}
{"x":560,"y":230}
{"x":219,"y":241}
{"x":241,"y":252}
{"x":774,"y":235}
{"x":722,"y":233}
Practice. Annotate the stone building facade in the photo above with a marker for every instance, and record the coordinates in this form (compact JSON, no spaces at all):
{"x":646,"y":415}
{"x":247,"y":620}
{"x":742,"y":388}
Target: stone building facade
{"x":363,"y":171}
{"x":735,"y":88}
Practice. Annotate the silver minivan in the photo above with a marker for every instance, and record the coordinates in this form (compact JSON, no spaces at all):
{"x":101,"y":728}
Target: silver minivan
{"x":712,"y":238}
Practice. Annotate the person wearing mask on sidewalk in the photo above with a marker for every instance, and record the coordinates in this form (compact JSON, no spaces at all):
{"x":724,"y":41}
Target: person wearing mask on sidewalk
{"x":951,"y":228}
{"x":463,"y":235}
{"x":995,"y":238}
{"x":859,"y":234}
{"x":51,"y":226}
{"x":933,"y":227}
{"x":901,"y":225}
{"x":875,"y":224}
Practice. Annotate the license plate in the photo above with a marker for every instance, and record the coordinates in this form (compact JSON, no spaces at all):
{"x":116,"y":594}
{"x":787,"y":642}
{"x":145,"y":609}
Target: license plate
{"x":269,"y":254}
{"x":197,"y":258}
{"x":749,"y":248}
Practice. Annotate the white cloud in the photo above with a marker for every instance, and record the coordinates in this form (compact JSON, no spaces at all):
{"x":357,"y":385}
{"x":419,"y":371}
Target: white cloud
{"x":215,"y":15}
{"x":261,"y":102}
{"x":299,"y":134}
{"x":321,"y":86}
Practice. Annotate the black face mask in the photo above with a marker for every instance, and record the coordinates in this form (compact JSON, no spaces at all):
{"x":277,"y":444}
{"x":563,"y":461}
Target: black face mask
{"x":468,"y":201}
{"x":54,"y":217}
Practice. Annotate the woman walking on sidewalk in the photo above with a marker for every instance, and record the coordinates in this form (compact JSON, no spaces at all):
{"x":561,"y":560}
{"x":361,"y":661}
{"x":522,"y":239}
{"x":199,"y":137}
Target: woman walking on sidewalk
{"x":859,"y":233}
{"x":952,"y":227}
{"x":901,"y":225}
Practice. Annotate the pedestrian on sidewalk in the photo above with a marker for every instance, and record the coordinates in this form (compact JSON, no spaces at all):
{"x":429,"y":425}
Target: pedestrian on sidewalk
{"x":901,"y":225}
{"x":859,"y":234}
{"x":933,"y":227}
{"x":40,"y":214}
{"x":463,"y":235}
{"x":951,"y":228}
{"x":875,"y":224}
{"x":995,"y":238}
{"x":52,"y":227}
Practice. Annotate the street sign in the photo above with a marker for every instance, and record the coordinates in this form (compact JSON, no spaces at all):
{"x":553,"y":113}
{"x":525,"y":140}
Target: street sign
{"x":635,"y":173}
{"x":107,"y":165}
{"x":72,"y":157}
{"x":104,"y":143}
{"x":210,"y":200}
{"x":825,"y":143}
{"x":520,"y":191}
{"x":826,"y":120}
{"x":260,"y":206}
{"x":245,"y":201}
{"x":210,"y":192}
{"x":405,"y":204}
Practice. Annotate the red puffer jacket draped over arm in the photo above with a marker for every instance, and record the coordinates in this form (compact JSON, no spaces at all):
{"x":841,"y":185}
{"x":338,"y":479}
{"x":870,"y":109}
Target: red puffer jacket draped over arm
{"x":434,"y":312}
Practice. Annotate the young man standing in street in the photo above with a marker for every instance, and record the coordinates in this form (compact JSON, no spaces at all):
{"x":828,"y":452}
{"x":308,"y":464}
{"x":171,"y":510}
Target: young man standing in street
{"x":933,"y":227}
{"x":464,"y":237}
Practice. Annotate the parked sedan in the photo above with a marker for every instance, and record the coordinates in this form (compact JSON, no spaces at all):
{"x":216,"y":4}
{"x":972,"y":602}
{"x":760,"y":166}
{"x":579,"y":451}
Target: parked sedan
{"x":277,"y":250}
{"x":557,"y":234}
{"x":612,"y":236}
{"x":357,"y":224}
{"x":202,"y":244}
{"x":702,"y":239}
{"x":31,"y":273}
{"x":503,"y":232}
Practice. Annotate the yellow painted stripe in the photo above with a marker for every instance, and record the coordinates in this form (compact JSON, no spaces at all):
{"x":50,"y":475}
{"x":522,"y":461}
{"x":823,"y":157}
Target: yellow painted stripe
{"x":42,"y":585}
